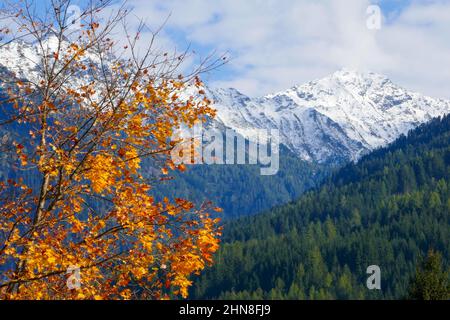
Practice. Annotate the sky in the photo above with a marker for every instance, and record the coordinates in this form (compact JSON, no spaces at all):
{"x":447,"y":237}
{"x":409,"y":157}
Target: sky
{"x":276,"y":44}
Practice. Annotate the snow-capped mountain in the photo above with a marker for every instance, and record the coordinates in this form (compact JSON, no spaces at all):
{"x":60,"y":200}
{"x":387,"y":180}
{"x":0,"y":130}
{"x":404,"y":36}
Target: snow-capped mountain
{"x":24,"y":59}
{"x":335,"y":119}
{"x":332,"y":120}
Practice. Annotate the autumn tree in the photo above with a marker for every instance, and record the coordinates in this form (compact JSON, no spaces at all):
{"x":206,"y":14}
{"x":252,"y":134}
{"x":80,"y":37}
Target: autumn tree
{"x":89,"y":112}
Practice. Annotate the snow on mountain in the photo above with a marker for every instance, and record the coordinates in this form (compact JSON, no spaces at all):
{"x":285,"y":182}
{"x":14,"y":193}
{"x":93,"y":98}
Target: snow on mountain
{"x":24,"y":60}
{"x":20,"y":59}
{"x":335,"y":119}
{"x":331,"y":120}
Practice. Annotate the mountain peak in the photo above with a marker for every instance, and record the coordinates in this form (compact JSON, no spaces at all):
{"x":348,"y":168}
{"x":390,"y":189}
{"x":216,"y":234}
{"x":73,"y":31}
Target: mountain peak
{"x":349,"y":75}
{"x":345,"y":79}
{"x":341,"y":116}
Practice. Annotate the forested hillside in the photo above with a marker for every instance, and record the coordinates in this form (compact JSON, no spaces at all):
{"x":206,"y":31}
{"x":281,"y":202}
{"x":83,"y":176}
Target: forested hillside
{"x":387,"y":210}
{"x":241,"y":189}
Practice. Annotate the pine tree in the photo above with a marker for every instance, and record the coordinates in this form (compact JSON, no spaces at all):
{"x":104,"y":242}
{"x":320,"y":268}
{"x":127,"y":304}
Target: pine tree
{"x":431,"y":282}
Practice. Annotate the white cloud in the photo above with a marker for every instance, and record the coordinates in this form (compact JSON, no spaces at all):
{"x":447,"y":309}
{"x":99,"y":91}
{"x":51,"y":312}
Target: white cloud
{"x":277,"y":44}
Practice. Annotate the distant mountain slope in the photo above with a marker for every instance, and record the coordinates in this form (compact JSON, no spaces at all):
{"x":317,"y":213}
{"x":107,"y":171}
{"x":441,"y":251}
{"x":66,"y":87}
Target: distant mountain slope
{"x":24,"y":60}
{"x":332,"y":120}
{"x":241,"y":189}
{"x":386,"y":210}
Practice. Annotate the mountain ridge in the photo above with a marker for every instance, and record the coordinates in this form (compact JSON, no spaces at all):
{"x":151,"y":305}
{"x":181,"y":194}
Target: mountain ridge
{"x":331,"y":120}
{"x":338,"y":118}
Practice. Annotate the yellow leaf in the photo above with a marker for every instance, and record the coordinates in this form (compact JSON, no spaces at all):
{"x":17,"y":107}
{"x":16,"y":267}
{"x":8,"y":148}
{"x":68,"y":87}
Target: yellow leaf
{"x":81,"y":296}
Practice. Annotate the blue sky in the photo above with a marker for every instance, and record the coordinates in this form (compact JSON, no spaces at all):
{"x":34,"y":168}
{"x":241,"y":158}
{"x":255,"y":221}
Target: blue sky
{"x":276,"y":44}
